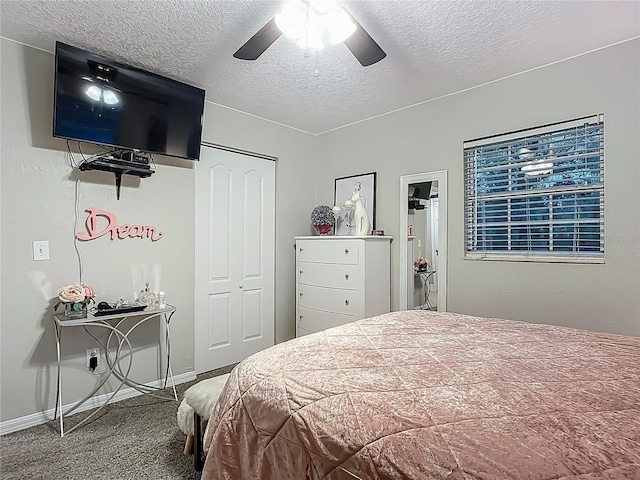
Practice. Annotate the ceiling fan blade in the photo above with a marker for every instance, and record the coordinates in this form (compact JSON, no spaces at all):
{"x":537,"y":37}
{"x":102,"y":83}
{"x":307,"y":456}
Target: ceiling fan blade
{"x":363,"y":47}
{"x":257,"y":44}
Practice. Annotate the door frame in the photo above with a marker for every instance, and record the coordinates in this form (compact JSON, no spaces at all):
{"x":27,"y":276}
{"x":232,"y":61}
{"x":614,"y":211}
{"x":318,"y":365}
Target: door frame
{"x":435,"y":226}
{"x":198,"y":368}
{"x":405,"y":180}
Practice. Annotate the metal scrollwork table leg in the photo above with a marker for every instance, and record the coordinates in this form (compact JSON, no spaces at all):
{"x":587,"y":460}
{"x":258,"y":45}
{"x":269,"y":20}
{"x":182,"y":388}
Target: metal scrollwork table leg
{"x":119,"y":334}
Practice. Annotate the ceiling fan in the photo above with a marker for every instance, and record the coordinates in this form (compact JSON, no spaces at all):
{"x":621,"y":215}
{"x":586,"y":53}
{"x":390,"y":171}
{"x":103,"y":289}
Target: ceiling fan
{"x":314,"y":23}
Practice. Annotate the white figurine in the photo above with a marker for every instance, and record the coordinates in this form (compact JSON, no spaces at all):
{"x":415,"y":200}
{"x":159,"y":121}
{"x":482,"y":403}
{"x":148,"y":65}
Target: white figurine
{"x":363,"y":227}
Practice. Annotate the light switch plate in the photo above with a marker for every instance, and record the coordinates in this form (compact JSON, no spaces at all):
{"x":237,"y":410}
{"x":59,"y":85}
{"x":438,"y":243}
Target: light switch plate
{"x":40,"y":250}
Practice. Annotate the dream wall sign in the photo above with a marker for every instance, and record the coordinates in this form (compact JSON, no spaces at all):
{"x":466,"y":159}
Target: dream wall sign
{"x":101,"y":222}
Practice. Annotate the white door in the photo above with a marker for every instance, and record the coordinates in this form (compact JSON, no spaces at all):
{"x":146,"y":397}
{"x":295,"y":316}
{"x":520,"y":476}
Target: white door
{"x":235,"y":257}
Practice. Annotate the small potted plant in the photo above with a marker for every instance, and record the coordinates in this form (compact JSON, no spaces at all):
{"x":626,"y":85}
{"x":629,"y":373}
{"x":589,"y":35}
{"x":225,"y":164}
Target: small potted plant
{"x":421,"y":264}
{"x":75,"y":299}
{"x":322,"y":219}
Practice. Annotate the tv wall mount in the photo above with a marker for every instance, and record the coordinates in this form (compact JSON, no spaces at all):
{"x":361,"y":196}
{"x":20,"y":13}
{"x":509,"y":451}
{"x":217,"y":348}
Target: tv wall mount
{"x":120,"y":162}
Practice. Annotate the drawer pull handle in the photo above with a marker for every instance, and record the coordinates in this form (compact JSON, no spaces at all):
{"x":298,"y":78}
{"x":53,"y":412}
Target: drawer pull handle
{"x":301,"y":249}
{"x":240,"y":287}
{"x":300,"y":317}
{"x":346,"y":251}
{"x":301,"y":293}
{"x":346,"y":277}
{"x":346,"y":302}
{"x":301,"y":272}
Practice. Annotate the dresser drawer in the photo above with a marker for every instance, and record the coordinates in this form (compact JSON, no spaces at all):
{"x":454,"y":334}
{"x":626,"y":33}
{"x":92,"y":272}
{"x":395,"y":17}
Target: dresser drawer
{"x":302,"y":332}
{"x":331,"y":251}
{"x":334,"y":300}
{"x":311,"y":320}
{"x":329,"y":275}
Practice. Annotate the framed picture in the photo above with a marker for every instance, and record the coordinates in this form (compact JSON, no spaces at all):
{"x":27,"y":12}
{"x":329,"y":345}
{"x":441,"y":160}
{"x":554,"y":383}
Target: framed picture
{"x":343,"y":191}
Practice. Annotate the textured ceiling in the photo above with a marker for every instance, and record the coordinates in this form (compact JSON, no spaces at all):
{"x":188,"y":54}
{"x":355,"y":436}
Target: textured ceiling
{"x":434,"y":48}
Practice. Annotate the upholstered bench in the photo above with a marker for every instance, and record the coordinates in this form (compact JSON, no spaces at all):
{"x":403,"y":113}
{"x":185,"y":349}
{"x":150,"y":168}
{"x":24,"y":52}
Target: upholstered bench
{"x":195,"y":408}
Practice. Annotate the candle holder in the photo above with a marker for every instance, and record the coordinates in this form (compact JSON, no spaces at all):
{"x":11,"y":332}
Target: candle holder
{"x":344,"y":214}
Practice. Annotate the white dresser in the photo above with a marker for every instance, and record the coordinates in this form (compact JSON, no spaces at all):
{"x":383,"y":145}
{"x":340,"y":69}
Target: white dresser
{"x":340,"y":279}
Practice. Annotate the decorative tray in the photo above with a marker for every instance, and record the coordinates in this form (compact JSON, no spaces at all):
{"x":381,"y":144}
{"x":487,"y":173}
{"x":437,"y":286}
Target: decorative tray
{"x":117,"y":311}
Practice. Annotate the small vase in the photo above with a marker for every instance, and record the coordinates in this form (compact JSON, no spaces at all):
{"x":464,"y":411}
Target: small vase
{"x":323,"y":229}
{"x":147,"y":297}
{"x":75,"y":310}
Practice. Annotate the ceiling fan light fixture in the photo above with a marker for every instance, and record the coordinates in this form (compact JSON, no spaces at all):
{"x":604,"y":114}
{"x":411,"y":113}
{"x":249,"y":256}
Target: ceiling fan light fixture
{"x":109,"y":97}
{"x":340,"y":27}
{"x":97,"y":94}
{"x":539,"y":167}
{"x":292,"y":19}
{"x":315,"y":23}
{"x":94,"y":93}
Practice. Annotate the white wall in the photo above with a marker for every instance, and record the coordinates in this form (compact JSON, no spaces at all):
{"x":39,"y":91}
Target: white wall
{"x":37,"y":196}
{"x":429,"y":137}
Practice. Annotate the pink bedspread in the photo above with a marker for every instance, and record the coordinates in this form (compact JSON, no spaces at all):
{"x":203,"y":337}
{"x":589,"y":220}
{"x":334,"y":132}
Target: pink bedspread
{"x":413,"y":395}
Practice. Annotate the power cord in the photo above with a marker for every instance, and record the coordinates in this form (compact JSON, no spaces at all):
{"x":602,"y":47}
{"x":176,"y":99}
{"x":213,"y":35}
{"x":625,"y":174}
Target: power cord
{"x":74,"y":165}
{"x":72,"y":161}
{"x":93,"y":362}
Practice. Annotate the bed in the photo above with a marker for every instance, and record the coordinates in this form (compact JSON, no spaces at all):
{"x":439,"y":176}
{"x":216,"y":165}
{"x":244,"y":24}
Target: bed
{"x":418,"y":395}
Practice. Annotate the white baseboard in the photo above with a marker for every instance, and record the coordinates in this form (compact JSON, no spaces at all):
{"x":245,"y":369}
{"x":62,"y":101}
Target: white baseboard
{"x":39,"y":418}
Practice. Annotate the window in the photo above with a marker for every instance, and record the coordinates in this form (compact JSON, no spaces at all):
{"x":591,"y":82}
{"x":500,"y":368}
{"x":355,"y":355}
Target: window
{"x":537,"y":194}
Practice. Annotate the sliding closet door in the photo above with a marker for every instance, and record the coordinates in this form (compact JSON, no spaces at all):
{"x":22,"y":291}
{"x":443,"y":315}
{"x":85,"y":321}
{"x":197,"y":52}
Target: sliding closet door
{"x":235,"y":257}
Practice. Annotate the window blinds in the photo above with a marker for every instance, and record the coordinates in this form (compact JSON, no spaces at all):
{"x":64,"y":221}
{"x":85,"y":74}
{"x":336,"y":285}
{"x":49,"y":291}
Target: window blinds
{"x":536,"y":194}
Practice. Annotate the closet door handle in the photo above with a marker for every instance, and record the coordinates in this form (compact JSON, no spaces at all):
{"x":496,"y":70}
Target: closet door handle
{"x":240,"y":287}
{"x":346,"y":277}
{"x":301,"y":272}
{"x":301,"y":249}
{"x":346,"y":302}
{"x":301,"y":294}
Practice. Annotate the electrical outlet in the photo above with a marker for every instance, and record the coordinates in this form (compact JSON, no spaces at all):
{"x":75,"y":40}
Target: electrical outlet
{"x":93,"y":353}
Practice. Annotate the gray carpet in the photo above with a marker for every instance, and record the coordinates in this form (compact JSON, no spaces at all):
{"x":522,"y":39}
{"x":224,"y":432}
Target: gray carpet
{"x":137,"y":438}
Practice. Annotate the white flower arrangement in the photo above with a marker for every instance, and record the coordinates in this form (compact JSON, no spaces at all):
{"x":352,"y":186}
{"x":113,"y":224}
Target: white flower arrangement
{"x":79,"y":296}
{"x":322,"y":215}
{"x":421,"y":261}
{"x":421,"y":264}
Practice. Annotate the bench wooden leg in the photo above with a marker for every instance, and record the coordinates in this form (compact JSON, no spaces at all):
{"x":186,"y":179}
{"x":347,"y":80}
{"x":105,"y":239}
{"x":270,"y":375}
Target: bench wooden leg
{"x":197,"y":440}
{"x":188,"y":445}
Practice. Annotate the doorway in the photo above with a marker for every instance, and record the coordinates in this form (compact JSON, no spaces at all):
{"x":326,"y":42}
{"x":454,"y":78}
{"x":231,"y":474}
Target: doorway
{"x":234,"y":255}
{"x":423,"y":241}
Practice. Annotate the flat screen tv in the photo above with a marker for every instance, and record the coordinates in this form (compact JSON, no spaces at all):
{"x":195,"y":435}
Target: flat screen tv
{"x":102,"y":101}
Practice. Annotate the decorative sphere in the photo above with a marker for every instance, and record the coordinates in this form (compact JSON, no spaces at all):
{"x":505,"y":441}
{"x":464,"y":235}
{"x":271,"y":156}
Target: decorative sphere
{"x":322,"y":215}
{"x":336,"y":210}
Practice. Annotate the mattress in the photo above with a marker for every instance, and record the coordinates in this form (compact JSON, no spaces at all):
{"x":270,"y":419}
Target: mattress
{"x":418,"y":394}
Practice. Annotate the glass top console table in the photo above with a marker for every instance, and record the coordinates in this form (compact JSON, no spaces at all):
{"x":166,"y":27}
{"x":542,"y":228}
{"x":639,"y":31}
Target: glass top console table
{"x":117,"y":351}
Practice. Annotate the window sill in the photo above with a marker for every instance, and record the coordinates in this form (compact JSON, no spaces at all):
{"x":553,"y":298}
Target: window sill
{"x":533,"y":259}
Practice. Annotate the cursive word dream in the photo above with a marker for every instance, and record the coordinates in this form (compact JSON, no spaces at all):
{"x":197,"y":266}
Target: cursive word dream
{"x":117,"y":231}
